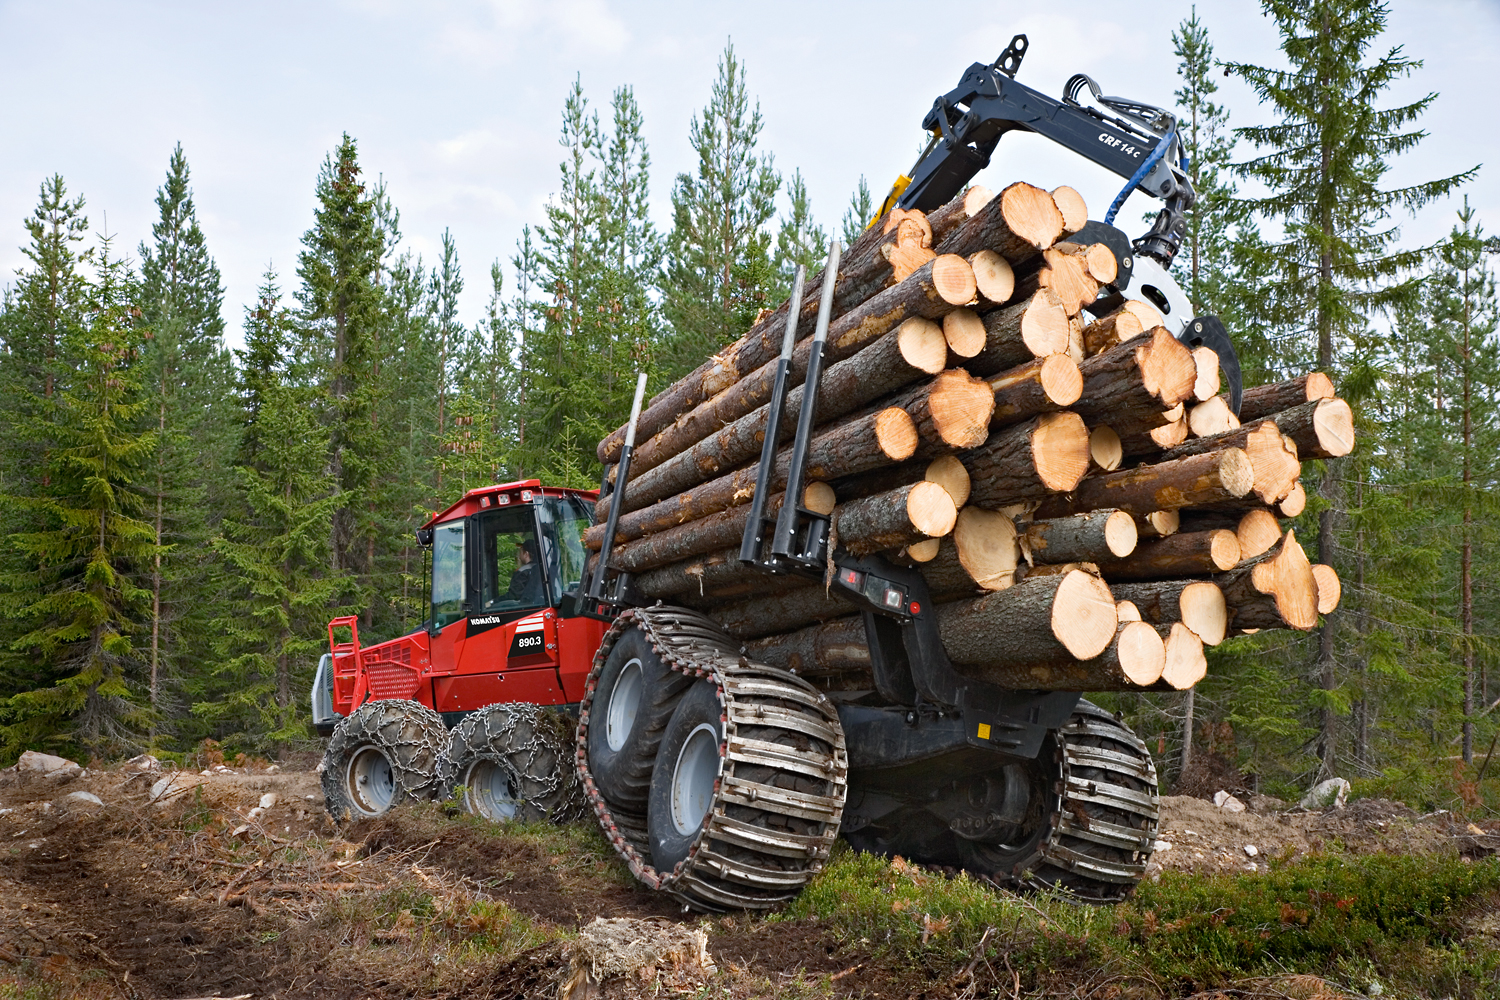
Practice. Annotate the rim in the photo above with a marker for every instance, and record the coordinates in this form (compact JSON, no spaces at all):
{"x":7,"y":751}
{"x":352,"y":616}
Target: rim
{"x":371,"y":781}
{"x":624,"y":701}
{"x":490,"y":792}
{"x":694,"y":778}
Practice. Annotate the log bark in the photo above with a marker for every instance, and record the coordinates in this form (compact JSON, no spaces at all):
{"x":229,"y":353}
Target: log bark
{"x":890,"y":520}
{"x":862,"y":272}
{"x":1323,"y":428}
{"x":1097,"y":536}
{"x":1134,"y":381}
{"x":949,"y":473}
{"x":948,"y":580}
{"x":835,"y":647}
{"x":1185,"y":663}
{"x":914,"y":350}
{"x":1044,"y":455}
{"x":1036,"y":622}
{"x":1105,"y":451}
{"x":1075,"y":211}
{"x":857,"y":445}
{"x":780,"y":612}
{"x":960,"y":208}
{"x":703,"y":575}
{"x":1330,"y":589}
{"x":1017,"y":333}
{"x":1188,"y":553}
{"x":1198,"y":604}
{"x":1264,"y":400}
{"x":1273,"y":456}
{"x":1274,"y":590}
{"x":986,"y":546}
{"x":1169,"y":485}
{"x":1256,"y":530}
{"x":944,"y":284}
{"x":716,"y":531}
{"x":1022,"y":221}
{"x":1133,"y":660}
{"x":1043,"y":385}
{"x":994,"y":278}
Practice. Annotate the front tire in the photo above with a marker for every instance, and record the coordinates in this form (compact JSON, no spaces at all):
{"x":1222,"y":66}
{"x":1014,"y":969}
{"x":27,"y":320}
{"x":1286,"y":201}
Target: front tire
{"x":632,"y":706}
{"x":384,"y":753}
{"x":514,"y":762}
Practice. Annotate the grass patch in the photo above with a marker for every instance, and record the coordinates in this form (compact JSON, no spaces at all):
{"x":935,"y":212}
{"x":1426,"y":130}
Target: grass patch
{"x":1402,"y":921}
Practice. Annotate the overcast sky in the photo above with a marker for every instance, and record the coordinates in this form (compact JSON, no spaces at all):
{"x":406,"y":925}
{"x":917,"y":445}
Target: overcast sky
{"x":457,"y":102}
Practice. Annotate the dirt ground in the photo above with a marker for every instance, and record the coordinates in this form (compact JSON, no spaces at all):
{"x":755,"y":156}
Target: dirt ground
{"x":200,"y":898}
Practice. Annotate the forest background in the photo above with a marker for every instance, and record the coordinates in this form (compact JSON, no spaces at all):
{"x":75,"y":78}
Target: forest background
{"x":180,"y":520}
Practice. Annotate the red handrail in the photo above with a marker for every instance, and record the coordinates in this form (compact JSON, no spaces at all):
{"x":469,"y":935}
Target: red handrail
{"x":344,"y":648}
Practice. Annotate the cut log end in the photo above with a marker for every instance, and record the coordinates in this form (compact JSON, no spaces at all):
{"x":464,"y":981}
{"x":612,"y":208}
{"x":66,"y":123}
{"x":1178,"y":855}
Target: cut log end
{"x":819,"y":498}
{"x":1060,"y":450}
{"x":1330,"y":590}
{"x":1031,"y":214}
{"x":923,"y":344}
{"x":1207,"y":385}
{"x":1333,"y":423}
{"x":949,"y":473}
{"x":1061,"y":380}
{"x":963,"y":331}
{"x":1295,"y":502}
{"x":1257,"y":532}
{"x":1104,"y":448}
{"x":1160,"y":523}
{"x":1083,"y":615}
{"x":1075,"y":211}
{"x":986,"y":544}
{"x":1126,"y":611}
{"x":931,"y":509}
{"x":953,"y":279}
{"x":1212,"y":417}
{"x":1141,"y":653}
{"x":960,"y":407}
{"x":1288,"y":577}
{"x":994,"y":278}
{"x":1120,"y":534}
{"x":1044,"y":326}
{"x":1186,"y":665}
{"x":1202,"y":608}
{"x":924,"y":551}
{"x":896,"y":433}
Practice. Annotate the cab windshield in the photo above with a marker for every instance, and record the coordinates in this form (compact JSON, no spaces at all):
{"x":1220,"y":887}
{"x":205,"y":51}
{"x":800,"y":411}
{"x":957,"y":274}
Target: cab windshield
{"x":510,"y":567}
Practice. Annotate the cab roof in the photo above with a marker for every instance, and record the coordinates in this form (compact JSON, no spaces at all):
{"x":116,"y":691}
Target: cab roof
{"x":487,"y":497}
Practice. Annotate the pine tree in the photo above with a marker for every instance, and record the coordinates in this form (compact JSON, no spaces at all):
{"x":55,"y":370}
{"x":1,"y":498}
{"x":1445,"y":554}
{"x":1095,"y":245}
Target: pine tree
{"x":342,"y":304}
{"x":188,"y":375}
{"x":859,"y":214}
{"x":800,"y":242}
{"x":77,"y":595}
{"x":1323,"y":164}
{"x":275,"y":546}
{"x":718,"y":271}
{"x":444,"y":288}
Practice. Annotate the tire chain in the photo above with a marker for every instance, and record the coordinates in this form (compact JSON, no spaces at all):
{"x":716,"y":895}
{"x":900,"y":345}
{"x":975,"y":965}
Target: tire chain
{"x":781,"y":862}
{"x":1106,"y":801}
{"x":414,"y":740}
{"x":536,"y":761}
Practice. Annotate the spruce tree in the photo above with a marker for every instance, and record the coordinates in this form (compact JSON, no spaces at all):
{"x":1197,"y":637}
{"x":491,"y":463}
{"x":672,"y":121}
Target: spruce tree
{"x":718,"y":270}
{"x":77,"y":595}
{"x":444,"y":288}
{"x":859,"y":214}
{"x":1323,"y":163}
{"x":800,"y":241}
{"x":188,"y":378}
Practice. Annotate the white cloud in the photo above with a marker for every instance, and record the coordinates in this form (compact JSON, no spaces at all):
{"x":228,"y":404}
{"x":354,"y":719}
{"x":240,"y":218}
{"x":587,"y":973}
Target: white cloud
{"x":498,"y":30}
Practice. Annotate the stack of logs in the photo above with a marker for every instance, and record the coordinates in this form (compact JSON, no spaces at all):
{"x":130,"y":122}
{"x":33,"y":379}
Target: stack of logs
{"x":1086,"y":508}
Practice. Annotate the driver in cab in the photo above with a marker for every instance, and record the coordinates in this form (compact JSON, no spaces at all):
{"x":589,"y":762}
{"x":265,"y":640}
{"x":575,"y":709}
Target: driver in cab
{"x":526,"y":581}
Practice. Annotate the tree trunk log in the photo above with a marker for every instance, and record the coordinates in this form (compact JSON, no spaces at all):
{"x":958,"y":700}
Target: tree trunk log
{"x":1027,"y":461}
{"x":1212,"y":417}
{"x":947,"y":579}
{"x":1133,"y":381}
{"x":1256,"y":530}
{"x":964,"y":332}
{"x":1189,"y":553}
{"x":993,"y":277}
{"x":695,"y":538}
{"x":780,"y":613}
{"x":1265,"y":400}
{"x":949,"y":473}
{"x":704,"y":575}
{"x":1273,"y":456}
{"x":1198,"y":604}
{"x":1330,"y":589}
{"x":1075,"y":211}
{"x":1171,"y":485}
{"x":1274,"y":590}
{"x":1043,"y":385}
{"x":835,"y":647}
{"x":1097,"y":536}
{"x":857,"y":445}
{"x":1133,"y":660}
{"x":1323,"y":428}
{"x":1022,"y":221}
{"x":1037,"y":622}
{"x":952,"y":411}
{"x":1206,"y":386}
{"x":1105,"y":450}
{"x":987,"y":548}
{"x":960,"y":209}
{"x":1015,"y":334}
{"x":890,"y":520}
{"x":1158,"y":523}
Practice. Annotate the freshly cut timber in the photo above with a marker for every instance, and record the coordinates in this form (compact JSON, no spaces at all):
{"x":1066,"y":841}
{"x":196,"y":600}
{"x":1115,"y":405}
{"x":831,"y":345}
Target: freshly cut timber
{"x":718,"y":574}
{"x":831,"y":648}
{"x":1188,"y":553}
{"x":1207,"y":385}
{"x":1127,"y":612}
{"x":912,"y":246}
{"x":959,"y":209}
{"x":923,"y":551}
{"x":947,"y":579}
{"x":1295,"y":502}
{"x":1186,"y":665}
{"x":819,"y":498}
{"x":1075,"y":211}
{"x":942,"y":285}
{"x":1256,"y":530}
{"x":1022,"y":221}
{"x":1272,"y":455}
{"x":1020,"y":332}
{"x":1037,"y":622}
{"x":1323,"y":428}
{"x":716,"y":531}
{"x":994,"y":278}
{"x":1105,"y":451}
{"x":950,"y":411}
{"x":1158,"y":523}
{"x":1211,"y":417}
{"x":1330,"y":590}
{"x":949,"y":473}
{"x":1136,"y":380}
{"x":1027,"y":461}
{"x":914,"y":350}
{"x":1043,"y":385}
{"x":1066,"y":273}
{"x":945,"y":470}
{"x":1198,"y":604}
{"x":964,"y":332}
{"x":1133,"y":660}
{"x":882,"y":438}
{"x":1097,"y":536}
{"x":1171,"y":485}
{"x":1267,"y":400}
{"x":986,"y":547}
{"x":890,"y":520}
{"x":1276,"y":589}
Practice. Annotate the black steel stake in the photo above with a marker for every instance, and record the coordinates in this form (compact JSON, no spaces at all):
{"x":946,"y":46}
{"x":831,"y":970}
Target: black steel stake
{"x":755,"y":524}
{"x":622,"y":474}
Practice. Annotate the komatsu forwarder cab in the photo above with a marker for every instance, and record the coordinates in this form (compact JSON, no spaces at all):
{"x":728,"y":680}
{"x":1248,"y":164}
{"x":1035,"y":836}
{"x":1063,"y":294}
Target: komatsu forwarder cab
{"x":507,"y":563}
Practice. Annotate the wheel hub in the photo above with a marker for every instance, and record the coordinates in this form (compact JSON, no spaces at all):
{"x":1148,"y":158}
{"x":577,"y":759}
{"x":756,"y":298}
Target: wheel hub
{"x":693,"y":778}
{"x":490,"y":791}
{"x":370,"y":780}
{"x":624,"y":702}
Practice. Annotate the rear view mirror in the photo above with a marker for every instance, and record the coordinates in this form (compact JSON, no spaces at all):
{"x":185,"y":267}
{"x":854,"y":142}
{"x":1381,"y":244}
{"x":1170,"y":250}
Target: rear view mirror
{"x":424,"y":537}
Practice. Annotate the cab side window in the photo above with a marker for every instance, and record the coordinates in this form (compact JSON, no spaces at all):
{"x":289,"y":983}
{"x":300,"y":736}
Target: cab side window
{"x":571,"y":518}
{"x":448,"y":576}
{"x":511,"y":573}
